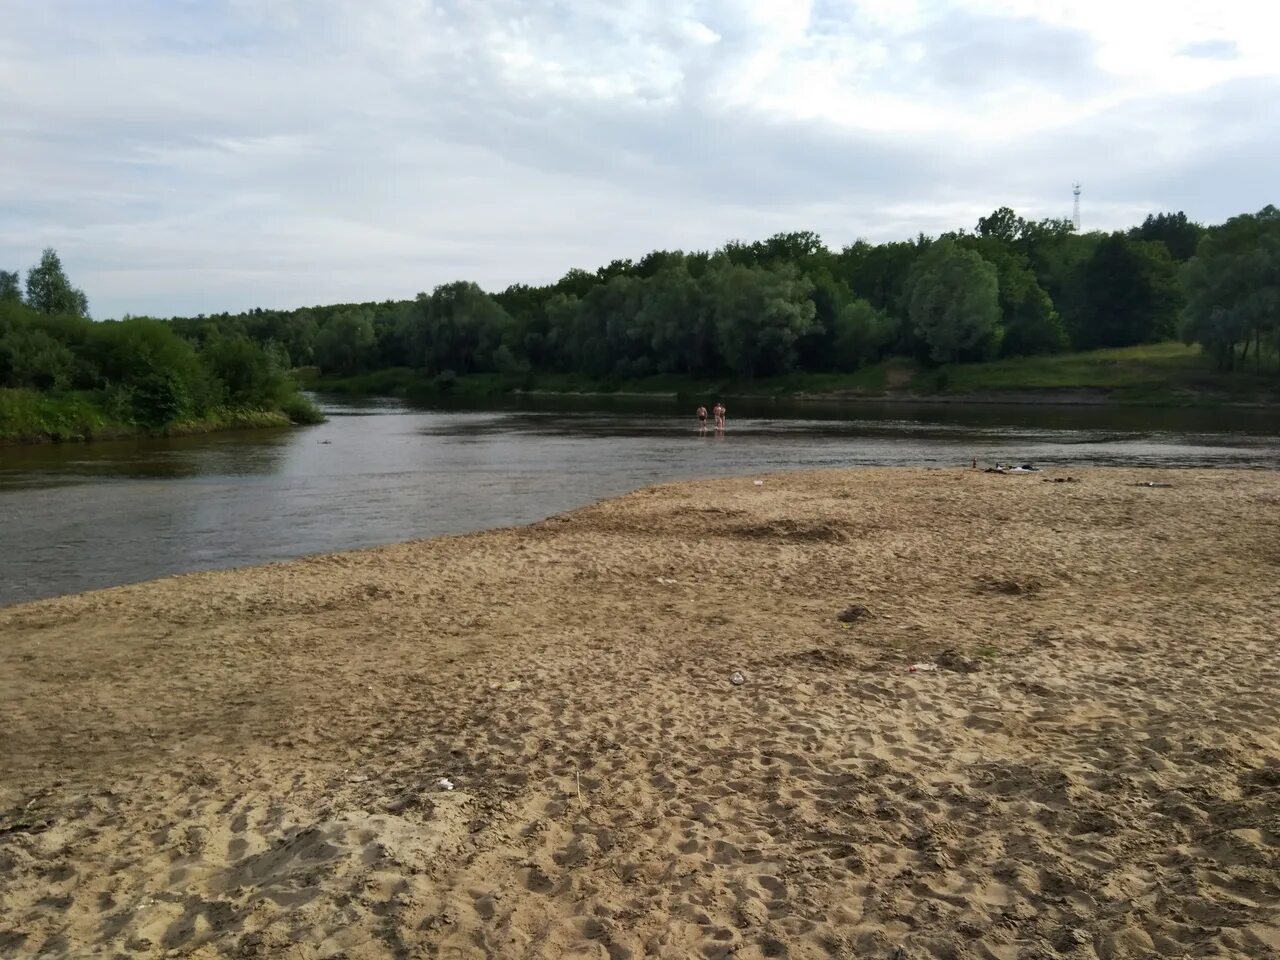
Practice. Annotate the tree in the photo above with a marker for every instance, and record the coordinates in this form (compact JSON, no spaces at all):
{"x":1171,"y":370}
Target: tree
{"x":1129,"y":294}
{"x":157,"y":375}
{"x":32,"y":358}
{"x":1031,"y":324}
{"x":1233,"y":287}
{"x":459,"y":327}
{"x":861,"y":334}
{"x":953,"y":303}
{"x":49,"y":291}
{"x":1003,"y":224}
{"x":878,"y":273}
{"x":249,"y":375}
{"x":674,"y":315}
{"x":1179,"y":235}
{"x":10,"y":287}
{"x":759,"y":315}
{"x":346,"y":342}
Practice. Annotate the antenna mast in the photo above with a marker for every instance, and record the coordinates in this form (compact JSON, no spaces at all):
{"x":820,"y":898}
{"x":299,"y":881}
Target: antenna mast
{"x":1075,"y":213}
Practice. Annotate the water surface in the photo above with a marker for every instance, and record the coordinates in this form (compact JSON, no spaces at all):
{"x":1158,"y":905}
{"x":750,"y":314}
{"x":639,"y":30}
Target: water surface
{"x":81,"y":516}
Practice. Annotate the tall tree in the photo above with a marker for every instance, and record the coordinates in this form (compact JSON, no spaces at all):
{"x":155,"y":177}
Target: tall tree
{"x":1233,"y":287}
{"x":346,"y":342}
{"x":1174,"y":230}
{"x":1002,"y":224}
{"x":953,"y":301}
{"x":1129,"y":294}
{"x":459,"y":328}
{"x":860,"y":335}
{"x":49,"y":291}
{"x":10,"y":286}
{"x":1031,"y":324}
{"x":759,"y":315}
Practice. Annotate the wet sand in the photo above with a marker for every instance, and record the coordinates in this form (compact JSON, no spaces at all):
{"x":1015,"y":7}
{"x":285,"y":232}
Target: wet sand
{"x":246,"y":763}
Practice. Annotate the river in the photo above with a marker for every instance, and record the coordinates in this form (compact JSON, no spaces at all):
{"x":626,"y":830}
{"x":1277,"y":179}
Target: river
{"x":77,"y":517}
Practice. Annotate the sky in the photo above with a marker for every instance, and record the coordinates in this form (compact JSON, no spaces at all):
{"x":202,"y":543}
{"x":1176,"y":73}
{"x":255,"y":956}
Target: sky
{"x":195,"y":156}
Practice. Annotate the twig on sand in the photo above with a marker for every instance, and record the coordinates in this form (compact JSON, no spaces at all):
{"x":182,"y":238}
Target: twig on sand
{"x":577,"y":776}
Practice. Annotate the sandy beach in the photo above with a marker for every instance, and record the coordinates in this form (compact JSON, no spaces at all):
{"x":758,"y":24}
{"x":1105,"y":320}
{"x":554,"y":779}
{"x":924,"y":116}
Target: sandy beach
{"x":249,"y":763}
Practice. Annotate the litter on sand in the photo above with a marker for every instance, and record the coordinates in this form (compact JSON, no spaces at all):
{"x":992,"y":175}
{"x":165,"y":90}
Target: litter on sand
{"x":922,"y":667}
{"x":444,"y":783}
{"x":1150,"y":483}
{"x":737,"y":679}
{"x":758,"y":483}
{"x":666,"y":582}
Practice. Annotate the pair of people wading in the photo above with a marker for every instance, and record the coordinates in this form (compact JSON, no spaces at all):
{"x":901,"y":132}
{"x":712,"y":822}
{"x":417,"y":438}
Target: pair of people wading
{"x":718,"y":411}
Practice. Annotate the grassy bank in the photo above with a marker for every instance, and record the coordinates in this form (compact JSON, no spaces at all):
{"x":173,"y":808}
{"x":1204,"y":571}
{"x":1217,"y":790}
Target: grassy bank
{"x":1167,"y":374}
{"x":28,"y":416}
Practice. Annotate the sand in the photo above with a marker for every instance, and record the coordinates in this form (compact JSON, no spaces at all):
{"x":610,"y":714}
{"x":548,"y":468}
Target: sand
{"x":245,"y":763}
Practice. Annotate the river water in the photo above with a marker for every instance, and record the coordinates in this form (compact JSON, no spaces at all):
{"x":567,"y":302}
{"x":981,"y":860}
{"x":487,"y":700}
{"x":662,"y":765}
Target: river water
{"x":81,"y":516}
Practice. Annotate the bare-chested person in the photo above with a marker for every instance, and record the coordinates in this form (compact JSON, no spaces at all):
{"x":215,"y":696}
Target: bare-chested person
{"x":719,"y":411}
{"x":702,"y":417}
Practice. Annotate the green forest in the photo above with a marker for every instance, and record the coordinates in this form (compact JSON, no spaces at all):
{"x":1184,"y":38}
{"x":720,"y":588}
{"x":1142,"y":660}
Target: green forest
{"x":64,"y":376}
{"x":1011,"y":304}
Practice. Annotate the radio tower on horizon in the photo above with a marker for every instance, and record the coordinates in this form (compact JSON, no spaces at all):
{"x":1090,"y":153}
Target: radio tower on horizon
{"x":1075,"y":212}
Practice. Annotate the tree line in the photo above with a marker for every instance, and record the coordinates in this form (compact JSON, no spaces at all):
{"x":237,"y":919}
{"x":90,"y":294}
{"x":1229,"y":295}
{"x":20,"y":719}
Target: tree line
{"x":140,"y":371}
{"x":1009,"y":287}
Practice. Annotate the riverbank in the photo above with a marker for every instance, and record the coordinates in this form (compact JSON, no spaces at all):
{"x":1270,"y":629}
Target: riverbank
{"x":1164,"y":374}
{"x":248,"y":762}
{"x":29,"y":416}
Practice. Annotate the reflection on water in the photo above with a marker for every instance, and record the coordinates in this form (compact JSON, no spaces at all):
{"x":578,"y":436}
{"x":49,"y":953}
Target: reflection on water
{"x":79,"y":516}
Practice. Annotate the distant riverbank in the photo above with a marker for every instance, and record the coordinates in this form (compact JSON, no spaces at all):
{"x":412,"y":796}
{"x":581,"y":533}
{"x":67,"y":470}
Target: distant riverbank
{"x":29,"y":416}
{"x":1164,"y":374}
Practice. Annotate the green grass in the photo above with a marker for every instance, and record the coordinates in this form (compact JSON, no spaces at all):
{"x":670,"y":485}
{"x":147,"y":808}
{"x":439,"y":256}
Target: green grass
{"x":1096,"y":369}
{"x":1162,"y":373}
{"x":29,"y":416}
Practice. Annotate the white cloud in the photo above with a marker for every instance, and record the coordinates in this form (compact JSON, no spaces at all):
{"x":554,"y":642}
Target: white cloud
{"x":222,"y":154}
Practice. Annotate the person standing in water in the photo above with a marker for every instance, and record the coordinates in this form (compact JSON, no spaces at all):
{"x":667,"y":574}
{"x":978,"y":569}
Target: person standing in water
{"x":719,"y":412}
{"x":702,"y":417}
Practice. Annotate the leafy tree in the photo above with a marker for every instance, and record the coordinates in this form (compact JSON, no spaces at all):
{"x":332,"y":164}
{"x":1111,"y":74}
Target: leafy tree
{"x":346,"y":342}
{"x":249,"y":375}
{"x":759,"y":315}
{"x":10,"y":287}
{"x":1129,"y":294}
{"x":157,"y":374}
{"x":953,"y":302}
{"x":49,"y":291}
{"x":878,"y":274}
{"x":1031,"y":324}
{"x":861,"y":335}
{"x":1003,"y":224}
{"x":459,"y":327}
{"x":31,"y":358}
{"x":1179,"y":235}
{"x":1233,"y":287}
{"x":673,"y":313}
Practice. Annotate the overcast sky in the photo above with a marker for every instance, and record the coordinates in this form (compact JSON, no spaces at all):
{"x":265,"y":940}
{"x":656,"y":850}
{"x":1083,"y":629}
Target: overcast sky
{"x":193,"y":156}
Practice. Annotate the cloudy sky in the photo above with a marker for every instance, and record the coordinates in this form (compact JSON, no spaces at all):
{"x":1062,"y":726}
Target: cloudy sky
{"x":193,"y":156}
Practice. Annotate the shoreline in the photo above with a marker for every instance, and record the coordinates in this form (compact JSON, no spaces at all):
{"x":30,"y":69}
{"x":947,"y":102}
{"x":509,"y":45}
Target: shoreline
{"x":266,"y":420}
{"x":678,"y":722}
{"x":1050,"y":397}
